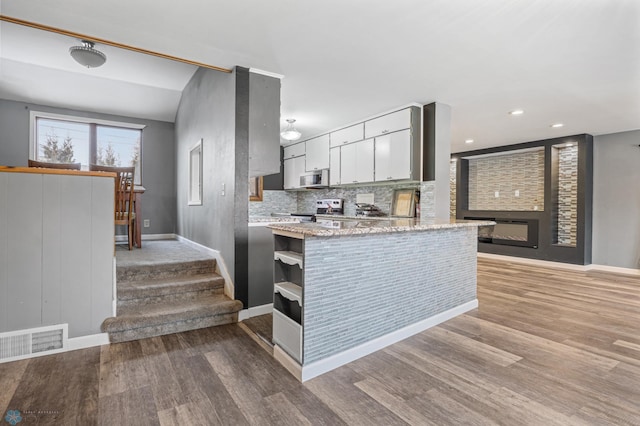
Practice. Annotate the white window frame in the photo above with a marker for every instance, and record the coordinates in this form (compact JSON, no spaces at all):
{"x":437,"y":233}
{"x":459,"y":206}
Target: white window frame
{"x":33,"y":115}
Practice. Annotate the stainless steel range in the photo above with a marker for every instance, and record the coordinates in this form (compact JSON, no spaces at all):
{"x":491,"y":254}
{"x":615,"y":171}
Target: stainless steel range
{"x":333,"y":206}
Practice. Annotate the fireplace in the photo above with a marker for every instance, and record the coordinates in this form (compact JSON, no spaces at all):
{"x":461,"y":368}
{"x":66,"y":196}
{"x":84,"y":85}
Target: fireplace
{"x":509,"y":232}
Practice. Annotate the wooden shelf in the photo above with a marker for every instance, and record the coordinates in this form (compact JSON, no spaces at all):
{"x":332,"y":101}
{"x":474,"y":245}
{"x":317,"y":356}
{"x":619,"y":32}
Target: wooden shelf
{"x":289,"y":257}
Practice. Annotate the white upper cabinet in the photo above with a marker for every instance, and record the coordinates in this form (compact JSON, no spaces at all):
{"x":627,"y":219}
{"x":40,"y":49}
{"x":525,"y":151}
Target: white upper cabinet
{"x":389,"y":123}
{"x":356,"y":162}
{"x":295,"y":150}
{"x":317,"y":152}
{"x":334,"y":166}
{"x":293,"y":168}
{"x":393,"y":156}
{"x":347,"y":135}
{"x":385,"y":148}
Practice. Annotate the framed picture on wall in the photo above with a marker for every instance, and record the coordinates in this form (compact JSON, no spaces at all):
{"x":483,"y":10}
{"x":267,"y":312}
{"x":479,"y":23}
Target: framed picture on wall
{"x":195,"y":175}
{"x":255,"y":189}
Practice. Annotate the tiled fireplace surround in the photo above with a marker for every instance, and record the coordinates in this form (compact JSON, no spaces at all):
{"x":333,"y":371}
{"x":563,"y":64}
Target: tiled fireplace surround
{"x":515,"y":182}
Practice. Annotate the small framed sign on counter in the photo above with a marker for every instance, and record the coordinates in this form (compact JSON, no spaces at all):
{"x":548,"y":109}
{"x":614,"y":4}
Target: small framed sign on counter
{"x":403,"y":204}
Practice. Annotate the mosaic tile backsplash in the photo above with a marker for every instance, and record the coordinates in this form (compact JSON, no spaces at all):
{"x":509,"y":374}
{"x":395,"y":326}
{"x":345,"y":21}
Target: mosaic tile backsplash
{"x":383,"y":197}
{"x":567,"y":226}
{"x":509,"y":182}
{"x":453,"y":170}
{"x":274,"y":202}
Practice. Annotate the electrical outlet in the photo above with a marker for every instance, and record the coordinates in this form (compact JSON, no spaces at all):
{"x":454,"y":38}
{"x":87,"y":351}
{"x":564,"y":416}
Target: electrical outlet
{"x":146,"y":223}
{"x":517,"y":192}
{"x":497,"y":193}
{"x":222,"y":192}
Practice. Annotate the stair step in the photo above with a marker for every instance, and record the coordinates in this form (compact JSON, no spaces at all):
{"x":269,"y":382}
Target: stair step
{"x":165,"y":270}
{"x":172,"y":317}
{"x":142,"y":290}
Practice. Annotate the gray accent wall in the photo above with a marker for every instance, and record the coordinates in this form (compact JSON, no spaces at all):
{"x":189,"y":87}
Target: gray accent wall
{"x":616,"y":200}
{"x":158,"y":161}
{"x":436,"y":152}
{"x":221,"y":110}
{"x":207,"y":111}
{"x":264,"y":125}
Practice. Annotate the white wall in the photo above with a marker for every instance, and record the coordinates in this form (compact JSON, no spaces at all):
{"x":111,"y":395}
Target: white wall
{"x":616,"y":200}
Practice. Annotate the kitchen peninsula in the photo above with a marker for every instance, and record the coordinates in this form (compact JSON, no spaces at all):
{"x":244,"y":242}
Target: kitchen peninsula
{"x":352,"y":287}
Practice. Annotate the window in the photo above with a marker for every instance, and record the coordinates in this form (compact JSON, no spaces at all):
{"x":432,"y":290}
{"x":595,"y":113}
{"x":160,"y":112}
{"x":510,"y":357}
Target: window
{"x":66,"y":139}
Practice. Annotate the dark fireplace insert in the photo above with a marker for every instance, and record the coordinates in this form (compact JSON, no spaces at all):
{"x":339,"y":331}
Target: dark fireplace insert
{"x":509,"y":232}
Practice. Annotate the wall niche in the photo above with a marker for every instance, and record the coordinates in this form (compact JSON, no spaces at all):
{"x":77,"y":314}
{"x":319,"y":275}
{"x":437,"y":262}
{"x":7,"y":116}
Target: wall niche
{"x":548,"y":183}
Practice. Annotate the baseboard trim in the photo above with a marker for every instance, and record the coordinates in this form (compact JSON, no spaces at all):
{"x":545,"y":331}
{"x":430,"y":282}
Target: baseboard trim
{"x":317,"y":368}
{"x":221,"y":267}
{"x":152,"y":237}
{"x":615,"y":269}
{"x":147,"y":237}
{"x":287,"y":362}
{"x":89,"y":341}
{"x":255,"y":311}
{"x":560,"y":265}
{"x":537,"y":262}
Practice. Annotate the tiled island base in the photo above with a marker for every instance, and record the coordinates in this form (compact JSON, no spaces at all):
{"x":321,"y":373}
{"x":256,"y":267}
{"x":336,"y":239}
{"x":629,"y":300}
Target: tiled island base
{"x":363,"y":288}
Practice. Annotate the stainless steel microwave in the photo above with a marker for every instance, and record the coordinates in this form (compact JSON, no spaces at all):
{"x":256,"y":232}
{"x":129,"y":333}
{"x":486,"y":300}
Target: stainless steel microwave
{"x":317,"y":179}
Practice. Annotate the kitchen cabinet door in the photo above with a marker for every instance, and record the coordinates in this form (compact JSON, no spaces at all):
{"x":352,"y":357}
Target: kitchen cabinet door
{"x":349,"y":134}
{"x":293,"y":168}
{"x":389,"y":123}
{"x":295,"y":150}
{"x":393,"y":156}
{"x":334,"y":166}
{"x":356,"y":162}
{"x":317,"y":153}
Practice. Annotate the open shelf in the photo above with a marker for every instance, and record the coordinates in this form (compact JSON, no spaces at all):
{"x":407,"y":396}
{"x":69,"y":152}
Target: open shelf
{"x":289,"y":257}
{"x":289,"y":290}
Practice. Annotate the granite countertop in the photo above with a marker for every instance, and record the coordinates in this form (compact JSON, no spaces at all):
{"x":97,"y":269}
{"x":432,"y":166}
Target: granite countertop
{"x":353,"y":217}
{"x":273,"y":219}
{"x":365,"y":226}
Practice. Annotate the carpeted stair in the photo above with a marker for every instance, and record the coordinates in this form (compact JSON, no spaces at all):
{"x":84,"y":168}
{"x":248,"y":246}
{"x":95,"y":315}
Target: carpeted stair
{"x":170,"y":297}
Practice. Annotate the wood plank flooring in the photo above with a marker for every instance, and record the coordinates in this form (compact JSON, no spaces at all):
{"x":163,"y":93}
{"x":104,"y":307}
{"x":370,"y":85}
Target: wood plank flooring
{"x":545,"y":347}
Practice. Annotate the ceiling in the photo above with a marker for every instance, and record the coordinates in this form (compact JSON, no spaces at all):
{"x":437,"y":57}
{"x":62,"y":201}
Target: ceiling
{"x":575,"y":62}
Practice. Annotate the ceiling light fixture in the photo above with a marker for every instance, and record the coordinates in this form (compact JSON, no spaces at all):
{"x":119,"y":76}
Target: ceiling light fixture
{"x":556,"y":125}
{"x":87,"y":56}
{"x":290,"y":133}
{"x":468,"y":141}
{"x":516,"y":112}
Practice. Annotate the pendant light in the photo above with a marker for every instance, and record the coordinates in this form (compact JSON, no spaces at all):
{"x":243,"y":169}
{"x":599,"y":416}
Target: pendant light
{"x":290,"y":133}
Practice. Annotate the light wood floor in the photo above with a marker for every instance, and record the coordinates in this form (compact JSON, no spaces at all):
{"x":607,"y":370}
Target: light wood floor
{"x":545,"y":347}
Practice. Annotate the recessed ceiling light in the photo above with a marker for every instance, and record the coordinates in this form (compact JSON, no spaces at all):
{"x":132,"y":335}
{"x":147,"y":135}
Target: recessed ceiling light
{"x":516,"y":112}
{"x":468,"y":141}
{"x":569,"y":144}
{"x":556,"y":125}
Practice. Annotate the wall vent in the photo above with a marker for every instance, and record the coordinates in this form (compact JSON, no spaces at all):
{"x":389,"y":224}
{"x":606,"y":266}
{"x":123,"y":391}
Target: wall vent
{"x":21,"y":344}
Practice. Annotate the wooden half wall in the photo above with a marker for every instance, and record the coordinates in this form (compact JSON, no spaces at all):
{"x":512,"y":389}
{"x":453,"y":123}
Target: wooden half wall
{"x":56,"y":249}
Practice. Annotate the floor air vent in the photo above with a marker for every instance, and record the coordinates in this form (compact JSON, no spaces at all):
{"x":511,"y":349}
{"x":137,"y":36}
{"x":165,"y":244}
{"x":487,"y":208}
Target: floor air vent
{"x":34,"y":341}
